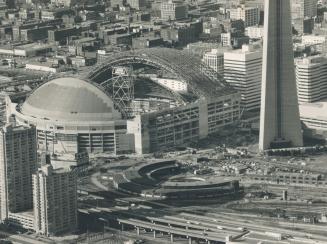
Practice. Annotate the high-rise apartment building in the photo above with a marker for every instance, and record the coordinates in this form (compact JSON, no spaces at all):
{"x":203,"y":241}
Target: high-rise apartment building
{"x":215,"y":60}
{"x":250,"y":15}
{"x":18,"y":161}
{"x":304,"y":8}
{"x":171,"y":10}
{"x":311,"y":79}
{"x":280,"y":125}
{"x":55,"y":200}
{"x":4,"y":111}
{"x":242,"y":70}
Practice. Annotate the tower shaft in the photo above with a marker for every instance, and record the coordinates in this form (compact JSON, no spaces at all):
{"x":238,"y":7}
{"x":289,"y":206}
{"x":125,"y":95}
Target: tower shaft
{"x":279,"y":119}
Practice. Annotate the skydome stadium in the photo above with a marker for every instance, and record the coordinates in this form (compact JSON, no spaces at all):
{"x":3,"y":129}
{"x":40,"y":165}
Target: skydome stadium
{"x":131,"y":102}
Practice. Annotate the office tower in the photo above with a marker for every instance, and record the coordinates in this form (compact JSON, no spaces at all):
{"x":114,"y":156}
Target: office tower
{"x":55,"y":200}
{"x":215,"y":60}
{"x":279,"y":120}
{"x":304,"y":8}
{"x":250,"y":15}
{"x":173,"y":10}
{"x":18,"y":160}
{"x":311,"y":79}
{"x":242,"y":70}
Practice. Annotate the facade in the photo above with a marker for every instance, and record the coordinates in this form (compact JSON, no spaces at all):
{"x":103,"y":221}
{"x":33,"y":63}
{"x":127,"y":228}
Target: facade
{"x":173,"y":84}
{"x":212,"y":29}
{"x":250,"y":15}
{"x":173,"y":10}
{"x":179,"y":126}
{"x":215,"y":60}
{"x":4,"y":102}
{"x":65,"y":3}
{"x":18,"y":163}
{"x":313,"y":116}
{"x":313,"y":39}
{"x":73,"y":116}
{"x":27,"y":50}
{"x":304,"y":8}
{"x":226,"y":39}
{"x":121,"y":39}
{"x":62,"y":35}
{"x":146,"y":42}
{"x":303,"y":26}
{"x":33,"y":25}
{"x":311,"y":79}
{"x":242,"y":70}
{"x":254,"y":32}
{"x":290,"y":179}
{"x":280,"y":125}
{"x":23,"y":219}
{"x":137,"y":4}
{"x":55,"y":201}
{"x":182,"y":33}
{"x":200,"y":48}
{"x":34,"y":35}
{"x":319,"y":41}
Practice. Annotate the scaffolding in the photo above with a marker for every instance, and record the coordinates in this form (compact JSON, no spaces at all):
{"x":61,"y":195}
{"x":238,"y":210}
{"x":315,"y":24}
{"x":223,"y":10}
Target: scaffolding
{"x":201,"y":80}
{"x":121,"y":88}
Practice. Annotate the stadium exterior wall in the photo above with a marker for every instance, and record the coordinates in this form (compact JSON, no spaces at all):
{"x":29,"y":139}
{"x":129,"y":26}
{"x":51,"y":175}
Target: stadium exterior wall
{"x":182,"y":125}
{"x":77,"y":136}
{"x":145,"y":133}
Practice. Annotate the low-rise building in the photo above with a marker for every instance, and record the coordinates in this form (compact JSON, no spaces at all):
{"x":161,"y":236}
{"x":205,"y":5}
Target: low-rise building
{"x":146,"y":42}
{"x":182,"y":33}
{"x":62,"y":35}
{"x":215,"y":60}
{"x":315,"y":40}
{"x":254,"y":32}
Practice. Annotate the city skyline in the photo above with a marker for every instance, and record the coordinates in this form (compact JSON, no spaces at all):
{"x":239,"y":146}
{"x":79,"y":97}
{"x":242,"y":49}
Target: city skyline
{"x":167,"y":121}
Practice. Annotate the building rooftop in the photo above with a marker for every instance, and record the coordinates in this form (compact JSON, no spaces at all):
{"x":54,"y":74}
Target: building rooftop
{"x":311,"y":60}
{"x":33,"y":46}
{"x":317,"y":110}
{"x":70,"y":99}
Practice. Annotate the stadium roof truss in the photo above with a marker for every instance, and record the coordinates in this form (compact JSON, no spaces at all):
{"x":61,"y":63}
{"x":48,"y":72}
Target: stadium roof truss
{"x":201,"y":80}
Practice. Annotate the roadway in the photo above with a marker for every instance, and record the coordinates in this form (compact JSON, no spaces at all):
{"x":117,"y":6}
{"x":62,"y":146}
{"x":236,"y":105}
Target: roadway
{"x":25,"y":239}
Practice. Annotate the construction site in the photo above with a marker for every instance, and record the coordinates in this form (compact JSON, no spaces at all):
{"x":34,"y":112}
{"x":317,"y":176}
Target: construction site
{"x":285,"y":204}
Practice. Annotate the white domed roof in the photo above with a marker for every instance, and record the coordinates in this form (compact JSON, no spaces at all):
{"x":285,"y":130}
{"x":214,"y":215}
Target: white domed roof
{"x":70,"y":99}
